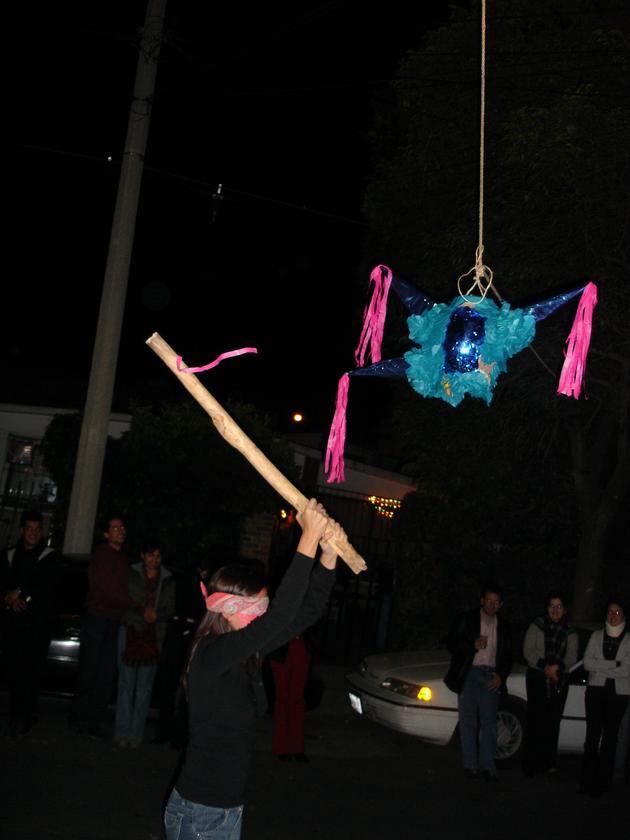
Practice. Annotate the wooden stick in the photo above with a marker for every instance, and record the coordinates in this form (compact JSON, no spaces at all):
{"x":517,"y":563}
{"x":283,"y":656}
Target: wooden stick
{"x":237,"y":438}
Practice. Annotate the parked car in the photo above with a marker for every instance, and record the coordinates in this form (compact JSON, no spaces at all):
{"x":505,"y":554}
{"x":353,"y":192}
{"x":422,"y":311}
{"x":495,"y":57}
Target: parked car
{"x":62,"y":662}
{"x":405,"y":691}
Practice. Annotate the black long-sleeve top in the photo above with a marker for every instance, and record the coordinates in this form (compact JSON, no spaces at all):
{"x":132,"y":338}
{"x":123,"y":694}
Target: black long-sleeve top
{"x":35,"y":572}
{"x":221,"y":694}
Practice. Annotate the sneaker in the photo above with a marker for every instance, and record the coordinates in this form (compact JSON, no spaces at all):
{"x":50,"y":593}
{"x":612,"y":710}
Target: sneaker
{"x":489,"y":776}
{"x":121,"y":742}
{"x":471,"y":774}
{"x":134,"y":743}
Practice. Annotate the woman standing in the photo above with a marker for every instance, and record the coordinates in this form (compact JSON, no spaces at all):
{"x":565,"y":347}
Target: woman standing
{"x":607,"y":660}
{"x":141,"y":641}
{"x":224,"y":686}
{"x":550,"y":648}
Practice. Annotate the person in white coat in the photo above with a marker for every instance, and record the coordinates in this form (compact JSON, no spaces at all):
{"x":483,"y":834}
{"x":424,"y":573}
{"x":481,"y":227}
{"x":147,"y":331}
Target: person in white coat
{"x":607,"y":660}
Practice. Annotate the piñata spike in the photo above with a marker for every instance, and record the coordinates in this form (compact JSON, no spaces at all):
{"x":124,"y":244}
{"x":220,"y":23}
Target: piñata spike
{"x":577,"y":345}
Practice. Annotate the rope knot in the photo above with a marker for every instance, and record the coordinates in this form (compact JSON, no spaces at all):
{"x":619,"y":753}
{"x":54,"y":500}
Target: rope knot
{"x":482,"y":282}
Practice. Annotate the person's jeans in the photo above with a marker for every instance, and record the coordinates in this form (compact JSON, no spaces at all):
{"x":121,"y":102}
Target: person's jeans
{"x":184,"y":820}
{"x":134,"y":697}
{"x":478,"y":720}
{"x":97,"y":669}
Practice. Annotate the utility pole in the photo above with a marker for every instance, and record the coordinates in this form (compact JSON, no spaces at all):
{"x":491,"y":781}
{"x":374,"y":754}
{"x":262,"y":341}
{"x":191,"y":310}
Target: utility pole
{"x":89,"y":466}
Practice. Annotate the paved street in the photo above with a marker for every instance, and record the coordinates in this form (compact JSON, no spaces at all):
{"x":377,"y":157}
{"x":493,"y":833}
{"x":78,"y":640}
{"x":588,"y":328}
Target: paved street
{"x":362,"y":781}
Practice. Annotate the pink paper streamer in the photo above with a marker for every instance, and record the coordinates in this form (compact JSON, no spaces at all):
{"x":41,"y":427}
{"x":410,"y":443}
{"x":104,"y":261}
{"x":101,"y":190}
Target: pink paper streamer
{"x":337,"y":436}
{"x":374,"y":316}
{"x":577,"y":344}
{"x":216,"y":362}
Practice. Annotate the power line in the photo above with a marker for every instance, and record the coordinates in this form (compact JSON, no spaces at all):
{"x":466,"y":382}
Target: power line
{"x":205,"y":186}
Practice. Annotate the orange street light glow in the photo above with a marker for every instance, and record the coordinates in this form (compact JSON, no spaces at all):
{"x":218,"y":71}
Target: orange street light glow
{"x":297,"y":418}
{"x":425,"y":693}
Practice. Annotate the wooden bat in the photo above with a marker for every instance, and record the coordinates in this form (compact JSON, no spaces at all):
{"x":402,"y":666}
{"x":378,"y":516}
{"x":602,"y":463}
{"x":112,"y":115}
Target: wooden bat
{"x":237,"y":438}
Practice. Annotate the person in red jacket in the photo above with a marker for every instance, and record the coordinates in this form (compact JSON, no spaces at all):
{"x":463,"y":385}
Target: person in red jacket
{"x":107,"y":601}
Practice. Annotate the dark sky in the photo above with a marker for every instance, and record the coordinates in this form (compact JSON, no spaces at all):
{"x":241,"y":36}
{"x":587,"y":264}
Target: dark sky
{"x":271,"y":100}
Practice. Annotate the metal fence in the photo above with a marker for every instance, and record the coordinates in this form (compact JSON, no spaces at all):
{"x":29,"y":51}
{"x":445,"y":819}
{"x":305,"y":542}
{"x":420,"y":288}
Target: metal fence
{"x":359,"y":612}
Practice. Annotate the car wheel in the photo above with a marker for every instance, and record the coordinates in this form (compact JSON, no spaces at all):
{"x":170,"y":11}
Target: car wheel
{"x":510,"y":731}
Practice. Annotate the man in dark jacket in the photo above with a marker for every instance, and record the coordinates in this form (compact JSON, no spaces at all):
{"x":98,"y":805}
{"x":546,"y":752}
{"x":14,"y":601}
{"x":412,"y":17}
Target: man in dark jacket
{"x":28,"y":576}
{"x":107,"y":601}
{"x":481,"y":647}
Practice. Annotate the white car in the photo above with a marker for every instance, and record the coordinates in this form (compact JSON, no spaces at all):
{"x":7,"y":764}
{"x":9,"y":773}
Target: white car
{"x":406,"y":692}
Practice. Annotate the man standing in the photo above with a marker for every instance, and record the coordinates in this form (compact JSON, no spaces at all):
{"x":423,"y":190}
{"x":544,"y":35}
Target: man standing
{"x":481,"y":648}
{"x":28,"y":575}
{"x":106,"y":603}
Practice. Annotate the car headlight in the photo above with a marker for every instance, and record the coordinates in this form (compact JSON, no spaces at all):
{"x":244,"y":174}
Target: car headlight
{"x":413,"y":690}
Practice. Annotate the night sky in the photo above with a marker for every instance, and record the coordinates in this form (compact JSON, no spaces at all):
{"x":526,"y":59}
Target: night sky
{"x":271,"y":100}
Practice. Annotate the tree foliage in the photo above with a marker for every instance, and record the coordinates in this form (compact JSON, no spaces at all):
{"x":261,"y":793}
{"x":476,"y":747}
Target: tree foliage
{"x":174,"y":478}
{"x":539,"y":476}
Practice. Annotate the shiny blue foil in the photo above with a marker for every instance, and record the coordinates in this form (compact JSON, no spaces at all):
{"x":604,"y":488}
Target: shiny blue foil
{"x":544,"y":308}
{"x":465,"y":334}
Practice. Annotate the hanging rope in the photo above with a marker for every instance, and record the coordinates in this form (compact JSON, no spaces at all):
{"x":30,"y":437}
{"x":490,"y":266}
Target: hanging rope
{"x":483,"y":282}
{"x":482,"y":274}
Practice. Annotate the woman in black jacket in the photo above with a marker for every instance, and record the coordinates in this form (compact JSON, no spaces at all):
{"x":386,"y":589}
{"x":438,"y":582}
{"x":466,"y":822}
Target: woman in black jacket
{"x":550,"y":649}
{"x":223,"y":678}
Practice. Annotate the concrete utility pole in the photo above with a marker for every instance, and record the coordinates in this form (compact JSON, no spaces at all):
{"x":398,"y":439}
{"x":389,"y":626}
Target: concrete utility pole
{"x":89,"y":465}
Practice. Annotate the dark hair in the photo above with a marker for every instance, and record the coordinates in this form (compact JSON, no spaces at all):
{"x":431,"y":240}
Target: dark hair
{"x":31,"y":516}
{"x":238,"y":579}
{"x":619,"y":601}
{"x":555,"y":593}
{"x":107,"y":520}
{"x":234,"y":579}
{"x":491,"y":586}
{"x":151,"y":545}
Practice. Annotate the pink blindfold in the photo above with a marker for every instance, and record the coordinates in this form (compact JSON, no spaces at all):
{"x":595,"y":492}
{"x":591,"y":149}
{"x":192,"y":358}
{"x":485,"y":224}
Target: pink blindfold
{"x":246,"y":608}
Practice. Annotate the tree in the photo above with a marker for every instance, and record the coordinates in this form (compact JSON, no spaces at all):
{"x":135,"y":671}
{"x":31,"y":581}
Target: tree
{"x":533,"y":467}
{"x":174,"y":479}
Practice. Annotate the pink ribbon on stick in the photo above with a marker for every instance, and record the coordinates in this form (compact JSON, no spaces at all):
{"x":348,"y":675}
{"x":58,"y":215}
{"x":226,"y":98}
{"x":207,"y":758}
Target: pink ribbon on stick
{"x":217,"y":361}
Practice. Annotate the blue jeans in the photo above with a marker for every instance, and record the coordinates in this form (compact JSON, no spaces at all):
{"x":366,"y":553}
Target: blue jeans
{"x":134,"y":697}
{"x":478,"y":720}
{"x":184,"y":820}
